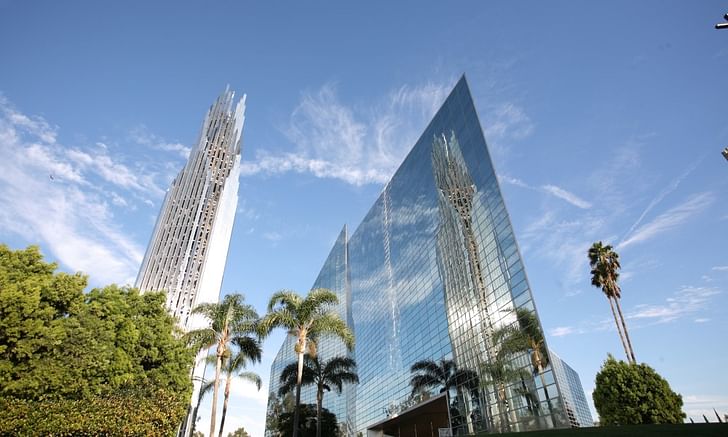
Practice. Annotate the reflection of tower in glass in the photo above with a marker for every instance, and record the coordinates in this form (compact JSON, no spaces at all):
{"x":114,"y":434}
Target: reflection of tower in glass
{"x":187,"y":252}
{"x":458,"y":259}
{"x":394,"y":359}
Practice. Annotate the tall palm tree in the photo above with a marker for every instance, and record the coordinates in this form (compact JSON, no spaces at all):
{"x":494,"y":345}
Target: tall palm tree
{"x":335,"y":372}
{"x":604,"y":263}
{"x":248,"y":350}
{"x":231,"y":321}
{"x":306,"y":319}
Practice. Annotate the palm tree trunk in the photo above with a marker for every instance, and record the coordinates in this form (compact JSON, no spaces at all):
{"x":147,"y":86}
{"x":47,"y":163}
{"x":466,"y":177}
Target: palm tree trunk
{"x":297,"y":414}
{"x":216,"y":388}
{"x":626,"y":334}
{"x":225,"y":403}
{"x":319,"y":401}
{"x":619,"y":329}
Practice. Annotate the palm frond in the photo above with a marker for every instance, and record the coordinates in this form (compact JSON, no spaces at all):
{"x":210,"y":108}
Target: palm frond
{"x":252,"y":377}
{"x":331,"y":323}
{"x":202,"y":338}
{"x":317,"y":300}
{"x":285,"y":298}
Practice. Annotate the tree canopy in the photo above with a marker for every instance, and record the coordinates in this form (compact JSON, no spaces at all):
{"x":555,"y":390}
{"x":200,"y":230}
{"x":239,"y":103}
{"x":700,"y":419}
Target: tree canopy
{"x":630,"y":394}
{"x":59,"y":343}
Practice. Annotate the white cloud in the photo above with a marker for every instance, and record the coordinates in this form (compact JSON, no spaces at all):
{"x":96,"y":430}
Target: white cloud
{"x":697,"y":405}
{"x":672,"y":186}
{"x":550,"y":189}
{"x":141,"y":135}
{"x":356,"y":146}
{"x":669,"y":219}
{"x":688,"y":300}
{"x":567,"y":196}
{"x":561,"y":331}
{"x":720,"y":268}
{"x":506,"y":121}
{"x":43,"y":201}
{"x":273,"y":236}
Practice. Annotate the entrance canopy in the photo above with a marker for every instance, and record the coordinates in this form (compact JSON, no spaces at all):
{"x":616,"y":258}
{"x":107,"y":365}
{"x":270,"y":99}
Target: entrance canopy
{"x":422,"y":420}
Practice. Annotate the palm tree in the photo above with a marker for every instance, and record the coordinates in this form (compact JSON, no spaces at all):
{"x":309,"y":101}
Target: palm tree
{"x":306,"y":319}
{"x":335,"y":372}
{"x":604,"y":263}
{"x":250,"y":352}
{"x":231,"y":321}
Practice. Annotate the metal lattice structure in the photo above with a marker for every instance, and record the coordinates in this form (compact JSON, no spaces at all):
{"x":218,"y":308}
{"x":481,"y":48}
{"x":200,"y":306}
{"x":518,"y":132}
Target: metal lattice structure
{"x":188,"y":249}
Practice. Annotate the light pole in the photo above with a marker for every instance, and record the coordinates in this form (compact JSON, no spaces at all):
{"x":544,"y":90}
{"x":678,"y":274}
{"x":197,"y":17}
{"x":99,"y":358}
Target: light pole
{"x":723,"y":25}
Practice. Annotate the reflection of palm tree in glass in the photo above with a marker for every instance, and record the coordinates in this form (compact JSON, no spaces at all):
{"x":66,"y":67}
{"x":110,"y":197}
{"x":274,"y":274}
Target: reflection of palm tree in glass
{"x":429,"y":375}
{"x":527,"y":337}
{"x":500,"y":374}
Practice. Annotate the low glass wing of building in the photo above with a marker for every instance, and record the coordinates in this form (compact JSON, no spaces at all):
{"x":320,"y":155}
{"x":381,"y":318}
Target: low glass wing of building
{"x":438,"y":299}
{"x":576,"y":407}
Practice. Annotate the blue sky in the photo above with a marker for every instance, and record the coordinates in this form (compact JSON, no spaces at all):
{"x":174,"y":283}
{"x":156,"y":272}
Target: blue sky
{"x":604,"y":122}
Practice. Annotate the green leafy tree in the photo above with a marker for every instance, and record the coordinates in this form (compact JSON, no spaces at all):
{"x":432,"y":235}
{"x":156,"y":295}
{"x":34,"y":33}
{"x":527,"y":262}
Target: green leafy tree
{"x":308,"y":422}
{"x":240,"y":432}
{"x":604,"y":263}
{"x":61,"y":348}
{"x":231,"y":321}
{"x":306,"y":319}
{"x":630,"y":394}
{"x":324,"y":375}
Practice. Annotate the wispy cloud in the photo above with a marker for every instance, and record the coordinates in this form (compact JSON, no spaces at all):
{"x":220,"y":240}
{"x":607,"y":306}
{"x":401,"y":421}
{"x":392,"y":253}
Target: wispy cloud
{"x":561,"y":331}
{"x":504,"y":123}
{"x":688,"y":300}
{"x":357,"y":146}
{"x":550,"y":189}
{"x":141,"y":135}
{"x":48,"y":197}
{"x":720,"y":268}
{"x":567,"y":196}
{"x":672,"y":186}
{"x":669,"y":219}
{"x":695,"y":405}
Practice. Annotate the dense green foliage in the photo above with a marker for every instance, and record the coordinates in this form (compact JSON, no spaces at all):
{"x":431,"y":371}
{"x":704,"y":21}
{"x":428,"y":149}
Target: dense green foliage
{"x":630,"y":394}
{"x":308,"y":422}
{"x":127,"y":413}
{"x":63,"y":349}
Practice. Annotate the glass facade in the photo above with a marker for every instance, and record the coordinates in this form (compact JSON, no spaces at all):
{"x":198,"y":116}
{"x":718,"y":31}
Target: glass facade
{"x":572,"y":393}
{"x":433,"y":273}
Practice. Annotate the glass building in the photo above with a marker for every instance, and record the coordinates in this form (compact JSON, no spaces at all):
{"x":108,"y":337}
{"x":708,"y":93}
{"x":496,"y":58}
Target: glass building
{"x":433,"y":286}
{"x":572,"y":393}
